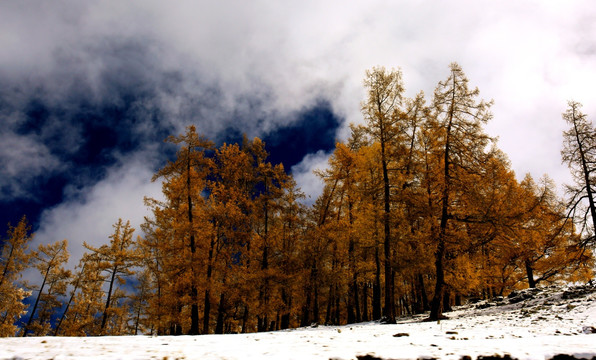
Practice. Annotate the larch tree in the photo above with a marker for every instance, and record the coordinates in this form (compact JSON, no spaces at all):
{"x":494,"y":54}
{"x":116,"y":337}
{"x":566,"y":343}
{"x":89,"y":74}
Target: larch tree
{"x":86,"y":301}
{"x":371,"y":229}
{"x":489,"y":208}
{"x":318,"y":256}
{"x":347,"y":167}
{"x":549,"y":248}
{"x":184,"y":182}
{"x":270,"y":182}
{"x":116,"y":260}
{"x":140,"y":321}
{"x":231,"y":215}
{"x":337,"y":232}
{"x":157,"y":246}
{"x":381,"y":111}
{"x":14,"y":259}
{"x":293,"y":225}
{"x":346,"y":175}
{"x":75,"y":282}
{"x":459,"y":119}
{"x":579,"y":153}
{"x":49,"y":260}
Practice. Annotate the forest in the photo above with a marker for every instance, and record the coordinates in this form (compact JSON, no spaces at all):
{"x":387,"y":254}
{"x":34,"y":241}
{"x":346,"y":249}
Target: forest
{"x":420,"y":212}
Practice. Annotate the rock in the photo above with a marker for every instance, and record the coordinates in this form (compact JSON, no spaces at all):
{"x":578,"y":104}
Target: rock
{"x":385,"y":320}
{"x":521,"y":295}
{"x":589,"y":330}
{"x":567,"y":357}
{"x":577,"y":291}
{"x":368,"y":357}
{"x":484,"y":305}
{"x":401,"y":334}
{"x":496,"y":357}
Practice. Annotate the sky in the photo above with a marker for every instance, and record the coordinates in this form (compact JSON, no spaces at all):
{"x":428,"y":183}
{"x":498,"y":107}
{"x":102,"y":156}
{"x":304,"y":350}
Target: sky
{"x":89,"y":90}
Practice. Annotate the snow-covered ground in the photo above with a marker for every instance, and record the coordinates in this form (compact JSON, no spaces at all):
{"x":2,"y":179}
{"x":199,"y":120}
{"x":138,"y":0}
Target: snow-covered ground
{"x":530,"y":325}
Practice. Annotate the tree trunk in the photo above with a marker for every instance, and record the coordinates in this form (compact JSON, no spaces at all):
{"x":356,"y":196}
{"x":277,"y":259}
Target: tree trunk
{"x":72,"y":295}
{"x":206,"y":311}
{"x":26,"y":328}
{"x":285,"y":317}
{"x":194,"y":295}
{"x":377,"y":287}
{"x":219,"y":327}
{"x":337,"y":307}
{"x":425,"y":304}
{"x":353,"y":304}
{"x":365,"y":303}
{"x":316,"y":316}
{"x":8,"y":259}
{"x":104,"y":318}
{"x":586,"y":173}
{"x":530,"y":274}
{"x":436,"y":311}
{"x":388,"y":309}
{"x":446,"y":300}
{"x":330,"y":301}
{"x":264,"y":291}
{"x":306,"y":309}
{"x":245,"y":320}
{"x":207,"y":300}
{"x":352,"y":296}
{"x":137,"y":320}
{"x":305,"y":320}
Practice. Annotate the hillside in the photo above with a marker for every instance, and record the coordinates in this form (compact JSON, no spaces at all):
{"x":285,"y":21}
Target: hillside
{"x":530,"y":324}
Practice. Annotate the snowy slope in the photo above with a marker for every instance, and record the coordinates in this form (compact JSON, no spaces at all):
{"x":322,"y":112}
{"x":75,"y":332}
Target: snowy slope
{"x":528,"y":325}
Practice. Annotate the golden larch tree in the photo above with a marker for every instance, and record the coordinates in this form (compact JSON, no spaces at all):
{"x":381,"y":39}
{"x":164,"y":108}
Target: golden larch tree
{"x":14,"y":259}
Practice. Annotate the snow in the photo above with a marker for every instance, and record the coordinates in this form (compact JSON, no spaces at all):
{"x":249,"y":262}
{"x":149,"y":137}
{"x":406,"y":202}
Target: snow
{"x":529,"y":325}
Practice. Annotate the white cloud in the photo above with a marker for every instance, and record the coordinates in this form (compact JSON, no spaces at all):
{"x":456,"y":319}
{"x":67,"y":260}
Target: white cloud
{"x":307,"y":181}
{"x":89,"y":216}
{"x":22,"y":159}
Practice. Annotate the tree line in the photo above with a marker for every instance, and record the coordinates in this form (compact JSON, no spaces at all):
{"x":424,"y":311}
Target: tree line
{"x":420,"y":211}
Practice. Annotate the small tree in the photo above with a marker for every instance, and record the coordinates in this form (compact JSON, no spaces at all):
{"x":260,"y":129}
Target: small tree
{"x":49,"y":260}
{"x":579,"y":153}
{"x":75,"y":282}
{"x":14,"y":258}
{"x":116,"y":259}
{"x":139,"y":304}
{"x":548,"y":246}
{"x":85,"y":304}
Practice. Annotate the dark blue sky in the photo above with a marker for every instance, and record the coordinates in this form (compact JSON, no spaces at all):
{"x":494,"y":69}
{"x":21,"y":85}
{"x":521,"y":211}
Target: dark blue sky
{"x":107,"y":105}
{"x":87,"y":136}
